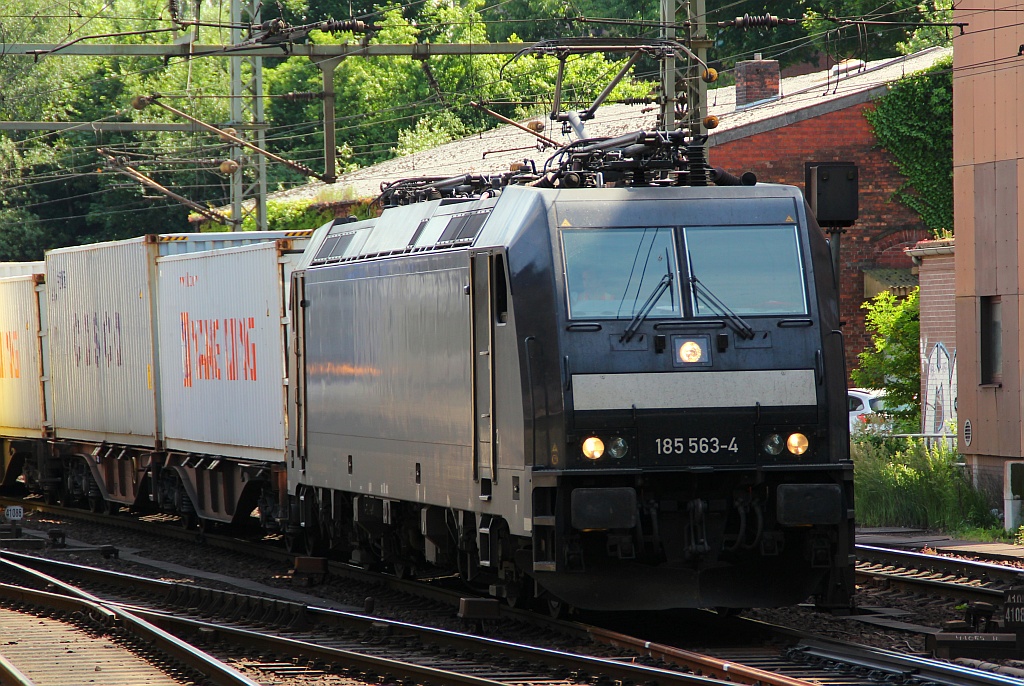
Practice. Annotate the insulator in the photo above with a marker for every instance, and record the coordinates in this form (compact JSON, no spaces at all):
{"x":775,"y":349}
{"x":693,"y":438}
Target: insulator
{"x":710,"y":122}
{"x":229,"y":132}
{"x":172,"y":7}
{"x":747,"y":21}
{"x":535,"y":126}
{"x":636,"y":101}
{"x":274,"y":26}
{"x":302,"y":97}
{"x":228,"y":167}
{"x":336,"y":26}
{"x":710,"y":75}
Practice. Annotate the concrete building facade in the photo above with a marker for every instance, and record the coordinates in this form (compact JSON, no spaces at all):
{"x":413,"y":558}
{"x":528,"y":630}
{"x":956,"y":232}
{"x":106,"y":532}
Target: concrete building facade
{"x":988,"y":167}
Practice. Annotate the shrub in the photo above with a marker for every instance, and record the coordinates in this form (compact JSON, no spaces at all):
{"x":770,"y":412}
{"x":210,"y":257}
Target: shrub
{"x":902,"y":482}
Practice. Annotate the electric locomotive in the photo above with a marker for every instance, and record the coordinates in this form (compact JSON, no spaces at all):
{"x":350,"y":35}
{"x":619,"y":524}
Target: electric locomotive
{"x":607,"y":384}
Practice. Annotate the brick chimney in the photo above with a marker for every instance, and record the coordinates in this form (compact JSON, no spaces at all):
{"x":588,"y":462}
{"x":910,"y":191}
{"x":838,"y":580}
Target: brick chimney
{"x":756,"y":80}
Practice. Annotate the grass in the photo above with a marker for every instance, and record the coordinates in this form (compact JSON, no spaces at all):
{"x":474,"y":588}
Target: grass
{"x":901,"y":482}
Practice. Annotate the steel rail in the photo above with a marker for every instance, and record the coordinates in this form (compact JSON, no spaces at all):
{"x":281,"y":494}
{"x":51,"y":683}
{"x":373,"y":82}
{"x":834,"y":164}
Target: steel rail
{"x":716,"y":667}
{"x":74,"y":599}
{"x":11,"y":675}
{"x":923,"y":669}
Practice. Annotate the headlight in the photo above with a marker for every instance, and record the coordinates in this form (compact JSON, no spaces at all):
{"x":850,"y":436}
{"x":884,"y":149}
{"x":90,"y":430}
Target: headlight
{"x":797,"y":444}
{"x":773,"y":444}
{"x":618,"y":447}
{"x":690,"y":351}
{"x":593,"y":448}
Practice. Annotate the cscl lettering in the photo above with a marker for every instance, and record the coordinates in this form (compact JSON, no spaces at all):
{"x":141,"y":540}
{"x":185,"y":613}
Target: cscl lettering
{"x":217,"y":349}
{"x":97,"y":339}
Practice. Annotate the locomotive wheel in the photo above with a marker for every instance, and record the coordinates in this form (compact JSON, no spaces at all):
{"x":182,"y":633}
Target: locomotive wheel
{"x":188,"y":520}
{"x":111,"y":508}
{"x":66,"y":498}
{"x":402,"y":570}
{"x":97,"y":504}
{"x":51,"y":496}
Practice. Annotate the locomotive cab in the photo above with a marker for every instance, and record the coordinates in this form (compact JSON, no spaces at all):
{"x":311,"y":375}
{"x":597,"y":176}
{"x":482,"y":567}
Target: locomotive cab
{"x":561,"y":391}
{"x":700,"y":446}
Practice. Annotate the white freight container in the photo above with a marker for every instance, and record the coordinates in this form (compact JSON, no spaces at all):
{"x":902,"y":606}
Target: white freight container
{"x":8,"y":269}
{"x":101,"y":341}
{"x":24,"y":395}
{"x":103,"y":333}
{"x":223,"y":330}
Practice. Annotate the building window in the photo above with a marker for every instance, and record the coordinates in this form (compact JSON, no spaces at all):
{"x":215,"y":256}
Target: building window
{"x":991,"y":349}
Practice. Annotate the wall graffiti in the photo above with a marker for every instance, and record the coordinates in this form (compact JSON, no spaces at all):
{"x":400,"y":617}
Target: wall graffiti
{"x":939,"y":402}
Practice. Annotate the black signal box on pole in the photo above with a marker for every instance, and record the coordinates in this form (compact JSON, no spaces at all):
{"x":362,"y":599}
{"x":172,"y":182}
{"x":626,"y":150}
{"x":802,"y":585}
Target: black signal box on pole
{"x":831,"y":189}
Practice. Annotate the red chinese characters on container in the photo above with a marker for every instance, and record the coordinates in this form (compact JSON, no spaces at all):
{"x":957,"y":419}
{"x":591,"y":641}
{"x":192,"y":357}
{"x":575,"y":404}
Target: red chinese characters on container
{"x":10,"y":365}
{"x":217,"y":349}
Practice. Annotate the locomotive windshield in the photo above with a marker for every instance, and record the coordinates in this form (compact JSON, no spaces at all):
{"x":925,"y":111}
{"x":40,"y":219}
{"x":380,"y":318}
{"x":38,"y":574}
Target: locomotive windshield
{"x":754,"y":270}
{"x":611,"y":273}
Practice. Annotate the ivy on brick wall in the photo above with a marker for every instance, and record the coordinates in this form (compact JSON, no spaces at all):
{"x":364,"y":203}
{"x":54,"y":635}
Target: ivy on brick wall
{"x":914,"y":122}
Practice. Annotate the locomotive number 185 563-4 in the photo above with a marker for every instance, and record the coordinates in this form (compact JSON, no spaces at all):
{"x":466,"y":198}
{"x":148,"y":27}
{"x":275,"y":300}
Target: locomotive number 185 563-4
{"x":696,"y":445}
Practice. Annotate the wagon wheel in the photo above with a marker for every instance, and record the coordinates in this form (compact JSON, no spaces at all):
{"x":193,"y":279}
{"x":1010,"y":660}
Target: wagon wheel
{"x":97,"y":504}
{"x":557,"y":609}
{"x":311,"y":543}
{"x":402,"y":570}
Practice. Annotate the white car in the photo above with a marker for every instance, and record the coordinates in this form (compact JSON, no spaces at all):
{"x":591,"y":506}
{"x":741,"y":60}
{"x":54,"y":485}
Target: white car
{"x":865,"y":404}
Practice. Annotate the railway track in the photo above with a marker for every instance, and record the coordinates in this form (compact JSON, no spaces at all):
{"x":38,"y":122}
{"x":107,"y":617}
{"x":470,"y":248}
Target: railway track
{"x":365,"y":647}
{"x":802,"y":661}
{"x":296,"y":639}
{"x":948,"y":577}
{"x":69,"y":637}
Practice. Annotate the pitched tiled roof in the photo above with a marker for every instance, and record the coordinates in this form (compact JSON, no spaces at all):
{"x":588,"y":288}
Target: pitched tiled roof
{"x":801,"y":97}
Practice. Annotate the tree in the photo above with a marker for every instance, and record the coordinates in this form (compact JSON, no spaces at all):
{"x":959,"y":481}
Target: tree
{"x":894,"y":361}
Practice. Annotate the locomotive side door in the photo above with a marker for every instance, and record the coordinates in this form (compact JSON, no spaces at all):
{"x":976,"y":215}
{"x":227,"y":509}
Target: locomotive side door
{"x":485,"y":461}
{"x":296,"y":371}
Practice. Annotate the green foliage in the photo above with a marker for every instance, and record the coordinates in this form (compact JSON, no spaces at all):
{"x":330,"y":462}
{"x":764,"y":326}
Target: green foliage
{"x":430,"y":132}
{"x":22,"y":239}
{"x":901,"y":482}
{"x":914,"y":121}
{"x":290,"y":216}
{"x":894,"y":363}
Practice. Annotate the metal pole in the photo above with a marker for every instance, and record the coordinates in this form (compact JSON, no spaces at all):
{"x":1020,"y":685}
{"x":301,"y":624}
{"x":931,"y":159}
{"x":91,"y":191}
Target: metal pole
{"x":327,"y":66}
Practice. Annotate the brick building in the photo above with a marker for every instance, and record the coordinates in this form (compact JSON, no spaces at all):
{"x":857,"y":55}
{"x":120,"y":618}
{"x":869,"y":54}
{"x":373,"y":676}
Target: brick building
{"x":769,"y":125}
{"x":935,"y":263}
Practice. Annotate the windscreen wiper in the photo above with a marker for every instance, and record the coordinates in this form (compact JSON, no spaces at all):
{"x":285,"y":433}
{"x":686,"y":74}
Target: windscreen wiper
{"x":641,"y":315}
{"x":738,"y":324}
